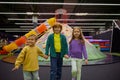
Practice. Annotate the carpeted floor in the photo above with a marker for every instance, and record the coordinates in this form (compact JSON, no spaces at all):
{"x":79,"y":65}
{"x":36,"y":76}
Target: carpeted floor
{"x":89,"y":72}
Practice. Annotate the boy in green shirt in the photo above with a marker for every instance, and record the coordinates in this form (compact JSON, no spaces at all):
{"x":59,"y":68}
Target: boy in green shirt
{"x":58,"y":48}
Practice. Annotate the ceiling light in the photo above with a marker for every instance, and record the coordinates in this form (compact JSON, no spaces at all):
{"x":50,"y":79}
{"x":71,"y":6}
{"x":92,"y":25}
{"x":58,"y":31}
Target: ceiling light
{"x":65,"y":19}
{"x":67,"y":23}
{"x":26,"y":26}
{"x":86,"y":23}
{"x":15,"y":31}
{"x":81,"y":14}
{"x":51,"y":3}
{"x":15,"y":36}
{"x":29,"y":13}
{"x":24,"y":23}
{"x":77,"y":14}
{"x":15,"y":19}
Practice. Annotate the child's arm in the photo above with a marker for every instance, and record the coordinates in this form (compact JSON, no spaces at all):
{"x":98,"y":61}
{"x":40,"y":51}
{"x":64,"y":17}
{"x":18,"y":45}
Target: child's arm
{"x":66,"y":48}
{"x":47,"y":46}
{"x":86,"y":61}
{"x":19,"y":60}
{"x":69,"y":50}
{"x":15,"y":68}
{"x":66,"y":56}
{"x":42,"y":55}
{"x":85,"y":54}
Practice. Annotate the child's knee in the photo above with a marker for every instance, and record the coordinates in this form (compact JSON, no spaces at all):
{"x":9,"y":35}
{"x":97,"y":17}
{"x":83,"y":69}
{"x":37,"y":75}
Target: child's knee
{"x":74,"y":73}
{"x":78,"y":72}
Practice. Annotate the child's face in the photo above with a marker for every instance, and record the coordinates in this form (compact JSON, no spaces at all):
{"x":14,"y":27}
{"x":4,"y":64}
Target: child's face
{"x":31,"y":40}
{"x":76,"y":33}
{"x":57,"y":30}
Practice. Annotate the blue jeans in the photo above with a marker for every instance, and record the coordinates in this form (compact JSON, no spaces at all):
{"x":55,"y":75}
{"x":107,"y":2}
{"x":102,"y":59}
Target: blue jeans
{"x":56,"y":67}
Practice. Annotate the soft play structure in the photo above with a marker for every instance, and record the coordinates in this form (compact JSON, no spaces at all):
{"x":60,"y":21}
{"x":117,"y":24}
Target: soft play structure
{"x":103,"y":45}
{"x":93,"y":52}
{"x":39,"y":30}
{"x":42,"y":31}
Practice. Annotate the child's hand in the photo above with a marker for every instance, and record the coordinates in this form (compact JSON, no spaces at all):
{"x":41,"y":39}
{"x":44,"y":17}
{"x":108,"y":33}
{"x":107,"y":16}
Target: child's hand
{"x":15,"y":68}
{"x":66,"y":56}
{"x":46,"y":56}
{"x":86,"y":61}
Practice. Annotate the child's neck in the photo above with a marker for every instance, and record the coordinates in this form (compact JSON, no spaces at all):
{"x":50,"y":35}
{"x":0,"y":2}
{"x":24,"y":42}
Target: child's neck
{"x":56,"y":33}
{"x":31,"y":45}
{"x":76,"y":38}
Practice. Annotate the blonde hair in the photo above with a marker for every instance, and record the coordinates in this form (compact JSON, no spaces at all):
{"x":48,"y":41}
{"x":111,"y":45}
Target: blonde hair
{"x":33,"y":36}
{"x":81,"y":36}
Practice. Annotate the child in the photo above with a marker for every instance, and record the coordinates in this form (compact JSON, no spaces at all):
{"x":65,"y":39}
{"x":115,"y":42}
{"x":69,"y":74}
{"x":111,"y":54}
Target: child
{"x":29,"y":58}
{"x":76,"y":49}
{"x":58,"y":46}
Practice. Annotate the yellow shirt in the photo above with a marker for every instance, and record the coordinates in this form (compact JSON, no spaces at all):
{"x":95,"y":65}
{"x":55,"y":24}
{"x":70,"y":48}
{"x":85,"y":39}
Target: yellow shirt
{"x":57,"y":43}
{"x":29,"y":57}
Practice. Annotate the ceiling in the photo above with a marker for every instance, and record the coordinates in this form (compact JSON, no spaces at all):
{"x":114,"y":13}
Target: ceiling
{"x":91,"y":15}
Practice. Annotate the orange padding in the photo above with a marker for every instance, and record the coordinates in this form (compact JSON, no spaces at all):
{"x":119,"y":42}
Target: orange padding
{"x":41,"y":28}
{"x":20,"y":41}
{"x":3,"y":52}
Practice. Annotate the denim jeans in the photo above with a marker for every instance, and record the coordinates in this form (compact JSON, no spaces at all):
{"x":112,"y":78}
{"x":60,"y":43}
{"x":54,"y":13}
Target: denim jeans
{"x":56,"y":67}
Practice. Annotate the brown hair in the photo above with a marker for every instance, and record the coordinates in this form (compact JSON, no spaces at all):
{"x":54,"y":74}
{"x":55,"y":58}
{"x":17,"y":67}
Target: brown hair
{"x":81,"y":37}
{"x":57,"y":25}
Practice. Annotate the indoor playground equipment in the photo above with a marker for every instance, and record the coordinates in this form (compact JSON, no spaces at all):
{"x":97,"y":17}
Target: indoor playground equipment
{"x":102,"y":44}
{"x":39,"y":31}
{"x":42,"y":31}
{"x":93,"y":52}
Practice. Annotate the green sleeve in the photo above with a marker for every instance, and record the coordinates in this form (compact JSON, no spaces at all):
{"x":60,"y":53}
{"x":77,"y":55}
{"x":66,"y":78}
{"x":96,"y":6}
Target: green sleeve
{"x":47,"y":46}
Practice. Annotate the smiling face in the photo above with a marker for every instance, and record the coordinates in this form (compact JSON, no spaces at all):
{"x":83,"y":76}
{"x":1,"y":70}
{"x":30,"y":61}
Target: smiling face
{"x":31,"y":40}
{"x":57,"y":28}
{"x":76,"y":33}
